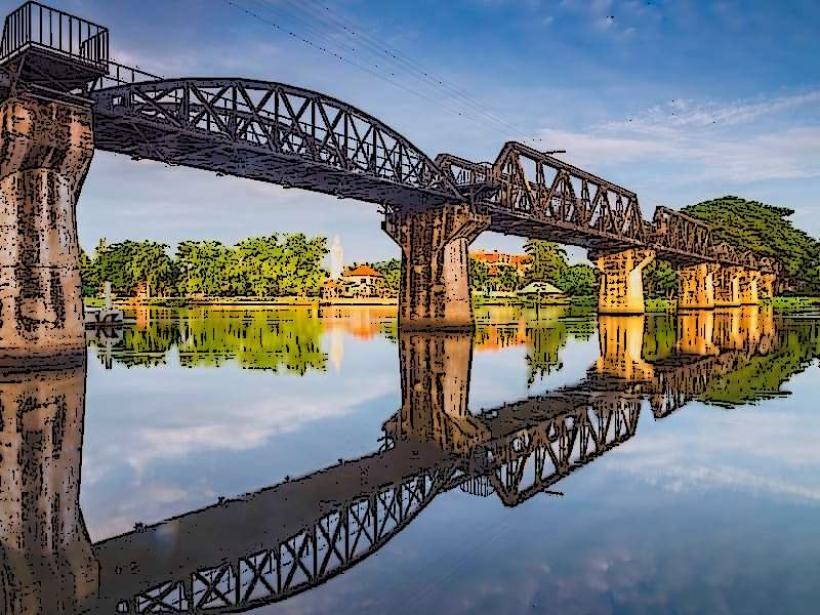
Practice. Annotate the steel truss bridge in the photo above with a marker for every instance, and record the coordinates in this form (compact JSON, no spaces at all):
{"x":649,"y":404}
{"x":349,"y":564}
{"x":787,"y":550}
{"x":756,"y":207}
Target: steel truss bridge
{"x":272,"y":544}
{"x":282,"y":134}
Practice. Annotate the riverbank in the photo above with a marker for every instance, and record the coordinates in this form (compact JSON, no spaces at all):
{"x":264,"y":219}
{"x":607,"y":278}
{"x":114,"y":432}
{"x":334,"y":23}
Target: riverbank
{"x":654,"y":306}
{"x":242,"y":301}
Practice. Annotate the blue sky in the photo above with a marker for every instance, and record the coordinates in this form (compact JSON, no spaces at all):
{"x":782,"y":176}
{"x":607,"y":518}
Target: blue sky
{"x":678,"y":100}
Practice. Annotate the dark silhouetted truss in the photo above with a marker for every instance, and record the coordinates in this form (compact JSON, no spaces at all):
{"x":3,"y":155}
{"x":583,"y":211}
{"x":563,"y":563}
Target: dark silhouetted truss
{"x":332,"y":544}
{"x":530,"y":461}
{"x":533,"y":194}
{"x":270,"y":132}
{"x":294,"y":137}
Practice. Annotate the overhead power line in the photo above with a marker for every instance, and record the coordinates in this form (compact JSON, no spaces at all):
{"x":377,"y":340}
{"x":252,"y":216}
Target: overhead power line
{"x":373,"y":56}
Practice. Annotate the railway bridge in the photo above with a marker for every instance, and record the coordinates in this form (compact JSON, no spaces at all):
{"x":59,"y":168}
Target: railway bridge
{"x":62,"y":98}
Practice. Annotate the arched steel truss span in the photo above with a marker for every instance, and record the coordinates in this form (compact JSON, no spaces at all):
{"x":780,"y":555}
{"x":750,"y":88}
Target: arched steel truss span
{"x":270,"y":132}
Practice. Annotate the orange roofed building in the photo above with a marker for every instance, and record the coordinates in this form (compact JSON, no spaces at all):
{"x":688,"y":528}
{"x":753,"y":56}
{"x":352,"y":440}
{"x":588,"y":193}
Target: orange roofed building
{"x":497,"y":261}
{"x":363,"y":281}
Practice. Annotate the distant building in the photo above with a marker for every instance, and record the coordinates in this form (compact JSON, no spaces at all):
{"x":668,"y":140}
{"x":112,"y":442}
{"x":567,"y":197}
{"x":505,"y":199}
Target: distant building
{"x":330,"y":289}
{"x":361,"y":282}
{"x":541,"y":289}
{"x":498,"y":261}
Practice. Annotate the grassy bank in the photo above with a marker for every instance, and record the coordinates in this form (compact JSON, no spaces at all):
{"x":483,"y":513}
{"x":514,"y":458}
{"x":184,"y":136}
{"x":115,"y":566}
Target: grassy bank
{"x":653,"y":306}
{"x":793,"y":303}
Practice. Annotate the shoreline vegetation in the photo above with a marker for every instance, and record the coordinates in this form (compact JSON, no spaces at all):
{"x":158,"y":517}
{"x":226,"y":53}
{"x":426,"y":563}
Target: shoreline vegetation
{"x":288,"y":268}
{"x":652,"y":305}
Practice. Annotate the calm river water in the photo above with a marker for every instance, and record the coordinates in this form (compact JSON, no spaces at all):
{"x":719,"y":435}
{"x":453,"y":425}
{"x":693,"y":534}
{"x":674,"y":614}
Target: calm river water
{"x":310,"y":461}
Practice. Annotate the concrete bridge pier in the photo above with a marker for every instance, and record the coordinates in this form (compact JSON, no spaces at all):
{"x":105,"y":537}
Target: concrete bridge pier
{"x":45,"y":151}
{"x":766,"y":285}
{"x":748,"y":287}
{"x":620,"y":342}
{"x":621,"y":286}
{"x":696,"y":286}
{"x":435,"y":381}
{"x":727,"y":286}
{"x":435,"y":289}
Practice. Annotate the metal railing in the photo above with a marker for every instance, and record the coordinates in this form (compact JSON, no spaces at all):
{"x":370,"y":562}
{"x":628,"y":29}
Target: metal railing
{"x":37,"y":25}
{"x":120,"y":74}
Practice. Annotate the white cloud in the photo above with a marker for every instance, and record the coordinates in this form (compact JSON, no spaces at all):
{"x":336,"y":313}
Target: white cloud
{"x":695,"y":136}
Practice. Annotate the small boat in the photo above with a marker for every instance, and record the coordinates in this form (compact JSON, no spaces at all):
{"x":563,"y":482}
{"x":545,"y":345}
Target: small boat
{"x":103,"y":317}
{"x":106,"y":316}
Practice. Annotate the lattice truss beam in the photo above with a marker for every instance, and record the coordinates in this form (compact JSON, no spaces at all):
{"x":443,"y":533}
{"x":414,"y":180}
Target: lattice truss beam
{"x":210,"y":122}
{"x":337,"y":541}
{"x":575,"y":206}
{"x":534,"y":186}
{"x":529,"y":462}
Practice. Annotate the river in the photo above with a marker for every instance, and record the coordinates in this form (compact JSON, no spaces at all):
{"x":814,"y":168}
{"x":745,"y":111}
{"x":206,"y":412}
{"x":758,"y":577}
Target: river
{"x":307,"y":461}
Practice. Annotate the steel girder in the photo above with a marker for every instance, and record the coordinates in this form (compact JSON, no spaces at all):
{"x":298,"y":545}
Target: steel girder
{"x":534,"y":194}
{"x":337,"y":541}
{"x":270,"y":132}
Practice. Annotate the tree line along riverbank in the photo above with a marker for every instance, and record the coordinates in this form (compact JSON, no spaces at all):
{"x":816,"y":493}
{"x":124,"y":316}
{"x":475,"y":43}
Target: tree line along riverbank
{"x":289,"y":267}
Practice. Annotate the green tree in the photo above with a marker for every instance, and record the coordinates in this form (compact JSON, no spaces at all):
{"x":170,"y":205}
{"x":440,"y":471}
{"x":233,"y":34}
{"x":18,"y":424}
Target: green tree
{"x":479,"y":275}
{"x":391,"y":270}
{"x":254,"y":267}
{"x":299,"y":262}
{"x":203,"y":267}
{"x":765,"y":230}
{"x":130,"y":263}
{"x":549,"y":260}
{"x":506,"y":280}
{"x":660,"y":280}
{"x":577,"y":280}
{"x":90,"y":275}
{"x":151,"y":264}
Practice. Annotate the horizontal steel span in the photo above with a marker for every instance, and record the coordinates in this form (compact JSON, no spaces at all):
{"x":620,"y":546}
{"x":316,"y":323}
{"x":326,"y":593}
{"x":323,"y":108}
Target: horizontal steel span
{"x":533,"y":194}
{"x":294,"y":137}
{"x":270,"y":132}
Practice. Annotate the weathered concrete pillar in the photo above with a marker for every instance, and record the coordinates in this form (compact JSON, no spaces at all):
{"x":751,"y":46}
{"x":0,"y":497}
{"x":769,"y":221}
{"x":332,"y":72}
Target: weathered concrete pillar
{"x":45,"y":552}
{"x":747,"y":287}
{"x":766,"y":285}
{"x":45,"y":152}
{"x":435,"y":381}
{"x":727,"y":286}
{"x":435,"y":289}
{"x":621,"y":286}
{"x":696,"y":286}
{"x":620,"y":341}
{"x":696,"y":333}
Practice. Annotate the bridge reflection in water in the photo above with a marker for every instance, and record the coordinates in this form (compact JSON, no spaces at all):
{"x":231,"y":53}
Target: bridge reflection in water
{"x":284,"y":539}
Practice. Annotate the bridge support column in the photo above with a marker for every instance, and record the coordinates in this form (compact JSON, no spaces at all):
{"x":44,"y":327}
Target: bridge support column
{"x":435,"y":289}
{"x":727,"y":286}
{"x":620,"y":343}
{"x":696,"y":333}
{"x":45,"y":552}
{"x":45,"y":152}
{"x":766,"y":285}
{"x":435,"y":380}
{"x":621,"y":286}
{"x":748,"y":281}
{"x":696,"y":287}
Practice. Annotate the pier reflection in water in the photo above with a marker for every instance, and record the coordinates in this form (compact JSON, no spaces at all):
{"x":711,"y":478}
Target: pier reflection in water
{"x":271,"y":544}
